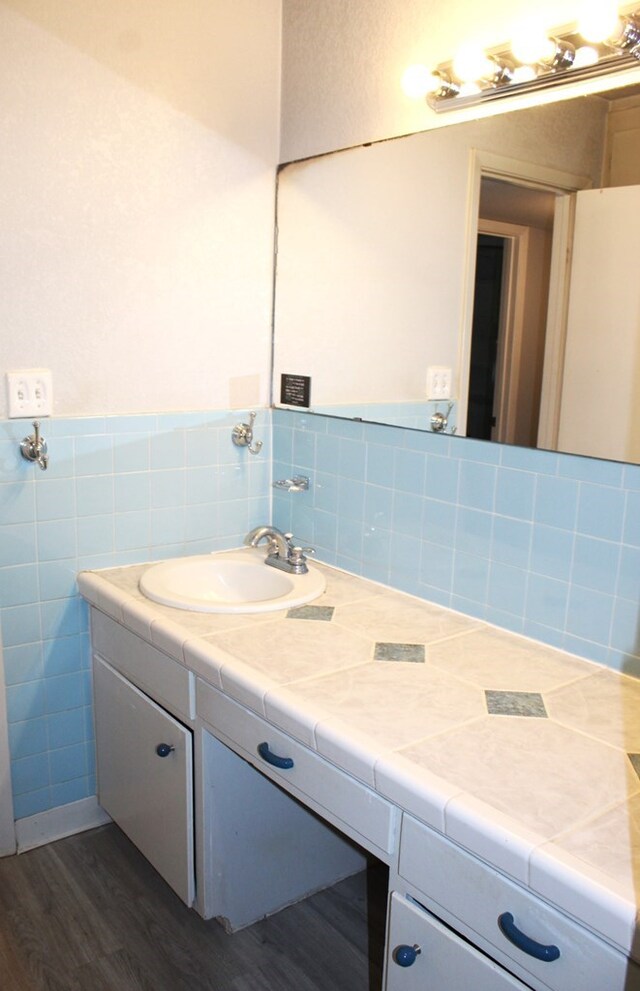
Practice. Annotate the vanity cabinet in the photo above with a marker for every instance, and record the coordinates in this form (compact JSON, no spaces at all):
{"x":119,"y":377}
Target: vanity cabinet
{"x":145,"y":776}
{"x":275,"y":820}
{"x":143,"y":705}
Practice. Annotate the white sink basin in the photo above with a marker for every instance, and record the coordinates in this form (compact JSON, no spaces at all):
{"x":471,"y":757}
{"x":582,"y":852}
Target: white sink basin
{"x":229,"y":582}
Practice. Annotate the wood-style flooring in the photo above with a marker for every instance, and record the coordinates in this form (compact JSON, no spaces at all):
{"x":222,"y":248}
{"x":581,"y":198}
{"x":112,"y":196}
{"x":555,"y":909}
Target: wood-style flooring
{"x":88,"y":913}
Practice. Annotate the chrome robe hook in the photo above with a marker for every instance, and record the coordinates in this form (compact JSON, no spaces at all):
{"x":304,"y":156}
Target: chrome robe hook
{"x":242,"y":435}
{"x":34,"y":447}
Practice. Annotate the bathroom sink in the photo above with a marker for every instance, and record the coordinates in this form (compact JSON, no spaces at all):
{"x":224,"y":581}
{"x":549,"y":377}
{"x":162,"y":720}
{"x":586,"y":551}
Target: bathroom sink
{"x":229,"y":582}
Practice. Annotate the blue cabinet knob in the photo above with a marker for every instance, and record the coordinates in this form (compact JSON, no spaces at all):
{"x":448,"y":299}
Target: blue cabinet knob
{"x":164,"y":749}
{"x":405,"y":955}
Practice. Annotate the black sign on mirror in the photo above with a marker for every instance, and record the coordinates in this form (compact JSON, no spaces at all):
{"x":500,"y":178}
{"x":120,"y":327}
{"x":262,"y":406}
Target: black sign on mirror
{"x":295,"y":390}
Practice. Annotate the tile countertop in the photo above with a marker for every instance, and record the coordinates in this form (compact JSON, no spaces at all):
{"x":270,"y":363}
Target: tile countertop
{"x":526,"y":756}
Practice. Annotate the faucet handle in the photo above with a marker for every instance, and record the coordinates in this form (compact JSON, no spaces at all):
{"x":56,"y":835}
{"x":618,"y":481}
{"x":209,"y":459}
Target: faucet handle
{"x":299,"y":552}
{"x":298,"y":556}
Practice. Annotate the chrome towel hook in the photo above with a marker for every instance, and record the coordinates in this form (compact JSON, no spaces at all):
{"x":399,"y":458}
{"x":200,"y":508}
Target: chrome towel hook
{"x":242,"y":435}
{"x":34,"y":447}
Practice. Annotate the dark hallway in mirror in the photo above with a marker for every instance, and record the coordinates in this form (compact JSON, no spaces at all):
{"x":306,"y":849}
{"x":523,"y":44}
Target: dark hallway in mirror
{"x":481,"y":418}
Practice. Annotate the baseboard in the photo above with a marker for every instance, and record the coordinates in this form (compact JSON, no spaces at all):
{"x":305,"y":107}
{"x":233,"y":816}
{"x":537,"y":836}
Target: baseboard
{"x":45,"y":827}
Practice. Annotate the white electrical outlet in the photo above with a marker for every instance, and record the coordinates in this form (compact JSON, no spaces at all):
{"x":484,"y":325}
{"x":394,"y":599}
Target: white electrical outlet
{"x":30,"y":392}
{"x":438,"y":382}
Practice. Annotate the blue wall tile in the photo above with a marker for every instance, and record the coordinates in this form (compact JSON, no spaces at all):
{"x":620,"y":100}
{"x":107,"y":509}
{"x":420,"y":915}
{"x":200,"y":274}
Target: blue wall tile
{"x":25,"y":701}
{"x":55,"y":499}
{"x":600,"y":511}
{"x":56,"y":540}
{"x":131,"y":453}
{"x":477,"y":485}
{"x":631,"y":531}
{"x":470,"y":577}
{"x":117,"y":490}
{"x":17,"y":502}
{"x":595,"y":564}
{"x":547,"y":601}
{"x":629,"y":575}
{"x":439,"y":521}
{"x":378,"y":506}
{"x":442,"y":478}
{"x":534,"y":541}
{"x":511,"y":541}
{"x":28,"y":737}
{"x":67,"y":763}
{"x":20,"y":625}
{"x":94,"y":495}
{"x":556,"y":502}
{"x":589,"y":614}
{"x":23,"y":663}
{"x":507,"y":588}
{"x":473,"y":532}
{"x":30,"y":773}
{"x":67,"y":727}
{"x":552,"y":551}
{"x":515,"y":493}
{"x":18,"y":585}
{"x":18,"y":544}
{"x":436,"y":568}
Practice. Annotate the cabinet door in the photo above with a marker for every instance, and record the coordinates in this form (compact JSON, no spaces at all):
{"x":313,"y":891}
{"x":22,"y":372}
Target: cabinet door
{"x":434,"y":957}
{"x":150,"y":796}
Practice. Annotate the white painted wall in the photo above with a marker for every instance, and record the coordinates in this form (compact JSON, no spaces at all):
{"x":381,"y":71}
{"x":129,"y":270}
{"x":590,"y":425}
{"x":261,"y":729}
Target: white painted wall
{"x":136,"y":195}
{"x":343,"y":61}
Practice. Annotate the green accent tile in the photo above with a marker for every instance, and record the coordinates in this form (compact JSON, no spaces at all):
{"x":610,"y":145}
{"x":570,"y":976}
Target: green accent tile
{"x":635,"y":760}
{"x":515,"y":704}
{"x":410,"y":652}
{"x":322,"y":613}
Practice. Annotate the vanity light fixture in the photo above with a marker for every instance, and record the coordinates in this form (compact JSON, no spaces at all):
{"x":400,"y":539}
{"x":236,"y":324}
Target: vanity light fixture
{"x":598,"y":45}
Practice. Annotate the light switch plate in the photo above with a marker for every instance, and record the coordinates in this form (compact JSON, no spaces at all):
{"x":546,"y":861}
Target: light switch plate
{"x":438,"y":382}
{"x":30,"y":392}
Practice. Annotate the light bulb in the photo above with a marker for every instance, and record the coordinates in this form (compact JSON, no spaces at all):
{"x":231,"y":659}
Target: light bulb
{"x":417,"y":81}
{"x":598,"y":21}
{"x":469,"y":89}
{"x":524,"y":74}
{"x":471,"y":63}
{"x":585,"y":55}
{"x":531,"y":44}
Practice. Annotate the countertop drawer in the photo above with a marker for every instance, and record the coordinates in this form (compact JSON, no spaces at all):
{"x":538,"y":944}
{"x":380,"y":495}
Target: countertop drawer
{"x":441,"y":960}
{"x":166,"y":681}
{"x":469,"y":891}
{"x":348,"y":804}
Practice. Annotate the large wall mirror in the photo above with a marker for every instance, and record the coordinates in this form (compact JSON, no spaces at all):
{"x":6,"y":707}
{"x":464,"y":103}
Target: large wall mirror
{"x":486,"y":271}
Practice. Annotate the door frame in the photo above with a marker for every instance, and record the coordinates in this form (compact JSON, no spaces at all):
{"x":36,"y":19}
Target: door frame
{"x":7,"y":825}
{"x":484,"y":164}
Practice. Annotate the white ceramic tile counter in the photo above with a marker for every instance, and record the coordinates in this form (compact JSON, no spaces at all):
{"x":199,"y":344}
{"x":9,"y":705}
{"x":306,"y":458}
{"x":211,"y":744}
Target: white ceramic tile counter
{"x":526,"y":756}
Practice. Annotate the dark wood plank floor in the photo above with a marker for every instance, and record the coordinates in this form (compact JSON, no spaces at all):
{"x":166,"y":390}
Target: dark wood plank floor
{"x":88,"y":913}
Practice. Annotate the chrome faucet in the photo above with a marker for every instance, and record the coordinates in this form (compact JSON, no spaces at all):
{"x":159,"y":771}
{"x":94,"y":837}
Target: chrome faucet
{"x":282,"y":552}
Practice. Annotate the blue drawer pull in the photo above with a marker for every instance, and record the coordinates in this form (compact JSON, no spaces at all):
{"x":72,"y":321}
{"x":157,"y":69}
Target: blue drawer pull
{"x":405,"y":955}
{"x":525,"y":943}
{"x":164,"y":749}
{"x":284,"y":763}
